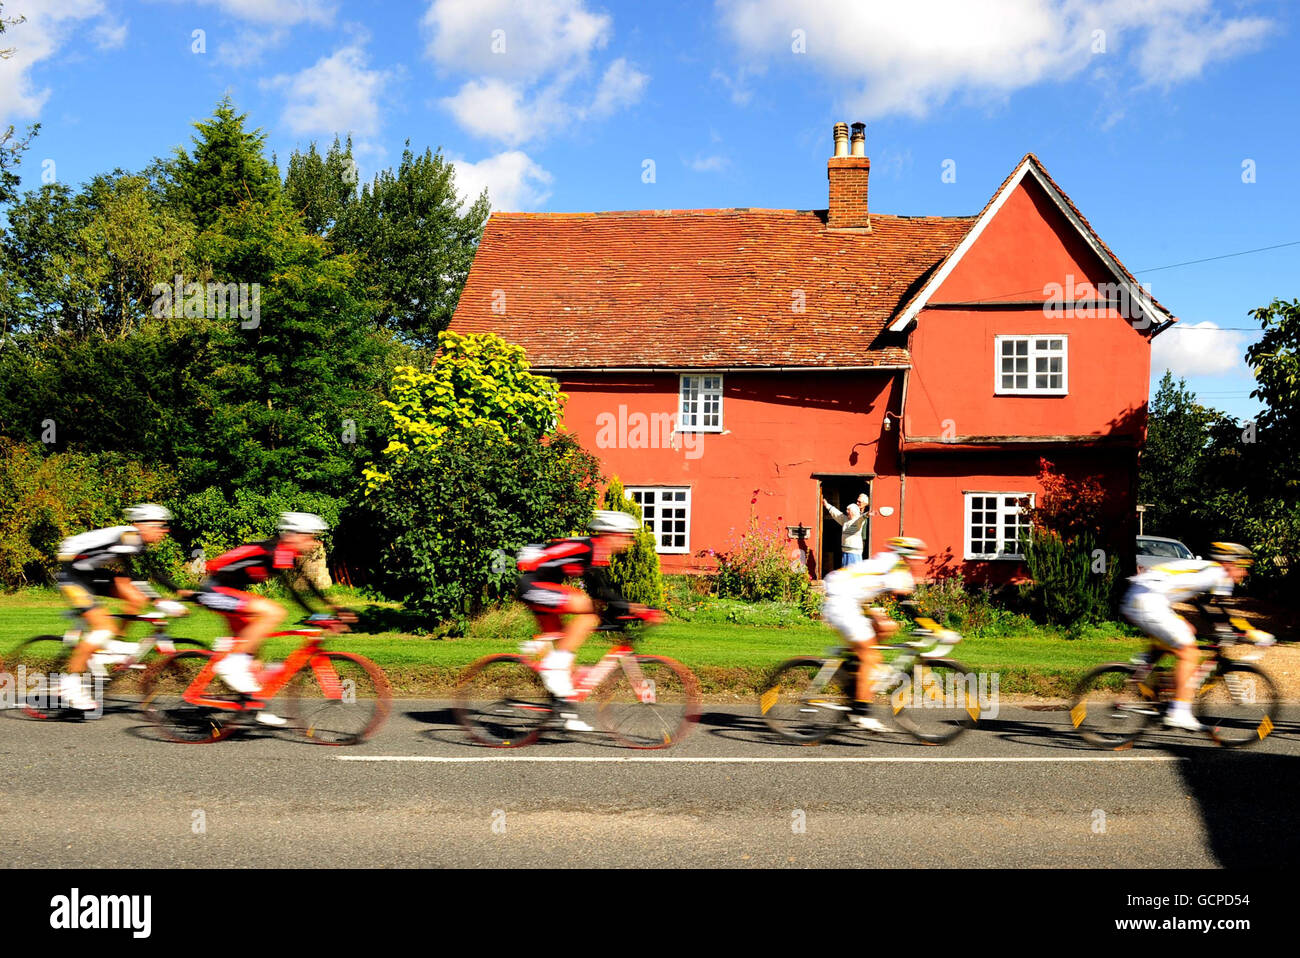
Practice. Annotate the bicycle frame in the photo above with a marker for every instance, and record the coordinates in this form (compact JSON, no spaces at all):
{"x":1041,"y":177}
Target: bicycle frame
{"x":305,"y":654}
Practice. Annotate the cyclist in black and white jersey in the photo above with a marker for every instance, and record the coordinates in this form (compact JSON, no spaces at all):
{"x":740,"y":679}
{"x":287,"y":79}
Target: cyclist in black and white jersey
{"x":112,"y":563}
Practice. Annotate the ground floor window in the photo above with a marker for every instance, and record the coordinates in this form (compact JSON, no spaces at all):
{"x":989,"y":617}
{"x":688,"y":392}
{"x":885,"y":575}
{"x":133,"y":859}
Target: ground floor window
{"x":994,"y":524}
{"x":666,"y":511}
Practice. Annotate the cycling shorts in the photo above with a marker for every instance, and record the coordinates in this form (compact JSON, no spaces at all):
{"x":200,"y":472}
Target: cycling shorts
{"x":551,"y":597}
{"x":1150,"y":612}
{"x":231,"y":603}
{"x":81,"y":588}
{"x":844,"y":613}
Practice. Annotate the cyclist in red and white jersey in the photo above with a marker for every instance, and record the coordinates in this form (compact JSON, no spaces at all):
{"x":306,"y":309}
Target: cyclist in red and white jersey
{"x":1148,"y":605}
{"x":542,"y":589}
{"x":113,"y":563}
{"x":253,"y":617}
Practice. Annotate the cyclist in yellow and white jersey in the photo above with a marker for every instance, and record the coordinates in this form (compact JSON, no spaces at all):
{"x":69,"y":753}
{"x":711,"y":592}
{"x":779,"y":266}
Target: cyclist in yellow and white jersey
{"x":1148,"y":605}
{"x":847,"y":589}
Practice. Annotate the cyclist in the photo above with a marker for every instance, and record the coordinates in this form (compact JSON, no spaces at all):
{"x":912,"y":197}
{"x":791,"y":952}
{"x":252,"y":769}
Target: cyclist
{"x":1147,"y":605}
{"x":847,"y":589}
{"x":102,"y":563}
{"x":542,"y":589}
{"x":253,"y":617}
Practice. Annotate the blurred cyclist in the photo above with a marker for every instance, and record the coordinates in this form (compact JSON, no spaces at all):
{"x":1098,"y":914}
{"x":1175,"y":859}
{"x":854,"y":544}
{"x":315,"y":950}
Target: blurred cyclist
{"x":253,"y":617}
{"x":846,"y":591}
{"x":1148,"y":605}
{"x":542,"y":589}
{"x":103,"y":563}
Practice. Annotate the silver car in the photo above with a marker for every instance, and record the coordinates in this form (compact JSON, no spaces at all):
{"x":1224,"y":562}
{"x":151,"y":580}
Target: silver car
{"x":1153,"y":550}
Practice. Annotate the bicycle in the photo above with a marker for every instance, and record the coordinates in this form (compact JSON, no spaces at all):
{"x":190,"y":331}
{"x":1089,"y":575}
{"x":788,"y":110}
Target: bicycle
{"x":330,"y":698}
{"x":932,"y":698}
{"x":1115,"y":703}
{"x":645,"y":701}
{"x":45,"y":657}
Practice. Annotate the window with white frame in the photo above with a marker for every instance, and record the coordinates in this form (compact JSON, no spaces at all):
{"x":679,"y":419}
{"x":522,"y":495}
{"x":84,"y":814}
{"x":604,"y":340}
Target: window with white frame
{"x":994,"y":523}
{"x":666,"y":511}
{"x":700,"y":405}
{"x":1031,"y":365}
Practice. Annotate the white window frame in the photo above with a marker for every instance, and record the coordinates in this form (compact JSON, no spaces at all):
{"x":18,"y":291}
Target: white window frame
{"x":654,"y":524}
{"x":1003,"y":510}
{"x":1033,"y":354}
{"x":684,"y":423}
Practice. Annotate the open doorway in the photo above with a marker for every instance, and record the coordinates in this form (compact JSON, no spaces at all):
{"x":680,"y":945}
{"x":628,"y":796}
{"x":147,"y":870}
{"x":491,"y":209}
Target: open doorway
{"x":840,"y":489}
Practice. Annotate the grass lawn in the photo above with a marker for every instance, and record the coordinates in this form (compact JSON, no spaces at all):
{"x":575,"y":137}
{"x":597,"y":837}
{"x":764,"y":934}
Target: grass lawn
{"x":729,"y":658}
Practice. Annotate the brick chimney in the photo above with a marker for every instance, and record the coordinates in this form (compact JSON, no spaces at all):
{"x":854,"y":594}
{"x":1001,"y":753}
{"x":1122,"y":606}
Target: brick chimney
{"x":848,"y":175}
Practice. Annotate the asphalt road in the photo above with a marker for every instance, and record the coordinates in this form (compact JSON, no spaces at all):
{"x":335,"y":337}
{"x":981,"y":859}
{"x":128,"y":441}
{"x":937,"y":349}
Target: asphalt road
{"x":1021,"y":791}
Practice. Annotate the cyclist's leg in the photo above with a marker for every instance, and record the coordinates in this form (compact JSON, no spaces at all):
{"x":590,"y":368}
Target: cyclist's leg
{"x":1171,"y":631}
{"x":549,"y":601}
{"x":844,"y":614}
{"x":251,"y":619}
{"x":81,"y":592}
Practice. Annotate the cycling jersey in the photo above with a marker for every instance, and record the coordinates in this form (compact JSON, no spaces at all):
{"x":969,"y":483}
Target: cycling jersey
{"x":1183,"y":579}
{"x":544,"y":568}
{"x":92,"y":561}
{"x":1151,"y":593}
{"x":849,"y":587}
{"x":231,"y":573}
{"x":862,"y":581}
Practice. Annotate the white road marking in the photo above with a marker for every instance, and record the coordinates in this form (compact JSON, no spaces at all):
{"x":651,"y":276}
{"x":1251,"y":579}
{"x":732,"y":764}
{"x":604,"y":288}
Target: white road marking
{"x":786,"y":760}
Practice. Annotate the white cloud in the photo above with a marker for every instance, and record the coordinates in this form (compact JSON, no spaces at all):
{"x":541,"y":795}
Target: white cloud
{"x":514,"y":40}
{"x":531,"y":66}
{"x":708,"y":164}
{"x":910,"y":57}
{"x":1198,"y":349}
{"x":48,"y":27}
{"x":622,"y":85}
{"x":337,"y":94}
{"x":492,"y":108}
{"x":513,"y":181}
{"x":109,"y":35}
{"x":250,"y":44}
{"x":279,"y":12}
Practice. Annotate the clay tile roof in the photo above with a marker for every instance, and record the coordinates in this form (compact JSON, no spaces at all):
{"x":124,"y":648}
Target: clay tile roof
{"x":699,"y":288}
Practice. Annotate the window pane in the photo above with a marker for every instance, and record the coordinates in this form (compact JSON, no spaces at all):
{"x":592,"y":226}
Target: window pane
{"x":1056,"y":343}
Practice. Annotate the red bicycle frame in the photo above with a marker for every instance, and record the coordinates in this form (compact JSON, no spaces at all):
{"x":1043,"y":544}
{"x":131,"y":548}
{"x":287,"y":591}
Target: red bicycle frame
{"x":303,"y":655}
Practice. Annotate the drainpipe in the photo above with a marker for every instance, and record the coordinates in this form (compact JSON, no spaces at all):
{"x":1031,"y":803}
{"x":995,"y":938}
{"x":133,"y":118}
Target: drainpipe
{"x":902,"y":462}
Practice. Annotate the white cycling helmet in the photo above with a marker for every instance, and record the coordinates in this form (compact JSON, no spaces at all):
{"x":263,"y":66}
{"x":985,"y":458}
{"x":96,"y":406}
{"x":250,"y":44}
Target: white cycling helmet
{"x":611,"y":522}
{"x":907,"y":546}
{"x":306,"y":523}
{"x":148,"y":512}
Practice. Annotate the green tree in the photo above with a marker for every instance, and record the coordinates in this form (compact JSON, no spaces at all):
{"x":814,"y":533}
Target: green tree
{"x":417,"y":244}
{"x":321,"y":188}
{"x":442,"y":533}
{"x":290,"y":376}
{"x":1275,"y":359}
{"x":12,"y":146}
{"x":226,"y":168}
{"x":478,"y":380}
{"x":635,"y":574}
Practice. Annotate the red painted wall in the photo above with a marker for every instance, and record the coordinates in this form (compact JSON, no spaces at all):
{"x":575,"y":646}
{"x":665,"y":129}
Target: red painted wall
{"x":780,"y":428}
{"x":1027,"y":245}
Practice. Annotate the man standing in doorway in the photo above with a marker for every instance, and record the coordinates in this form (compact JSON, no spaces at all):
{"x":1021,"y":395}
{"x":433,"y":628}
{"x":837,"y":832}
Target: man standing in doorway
{"x":852,"y":526}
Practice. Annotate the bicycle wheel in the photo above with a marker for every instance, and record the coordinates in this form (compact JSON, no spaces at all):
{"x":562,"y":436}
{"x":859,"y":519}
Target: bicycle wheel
{"x":125,"y":682}
{"x":649,"y":702}
{"x":34,"y":667}
{"x":162,"y":702}
{"x":338,"y":699}
{"x":939,"y":701}
{"x":501,"y":702}
{"x":1237,"y":704}
{"x":1111,"y":709}
{"x":799,"y":707}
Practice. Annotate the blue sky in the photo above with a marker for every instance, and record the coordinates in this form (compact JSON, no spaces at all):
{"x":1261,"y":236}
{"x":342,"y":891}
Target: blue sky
{"x":1171,"y":123}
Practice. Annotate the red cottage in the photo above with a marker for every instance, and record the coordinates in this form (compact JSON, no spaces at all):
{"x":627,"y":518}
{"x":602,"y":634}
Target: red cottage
{"x":927,"y":361}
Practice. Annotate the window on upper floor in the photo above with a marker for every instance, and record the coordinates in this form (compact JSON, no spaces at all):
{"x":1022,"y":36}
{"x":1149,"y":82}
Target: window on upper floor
{"x":1031,"y":366}
{"x":699,"y":408}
